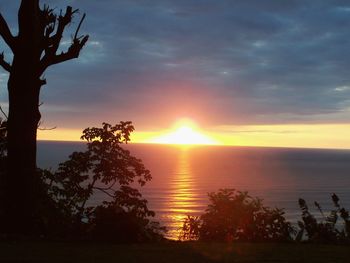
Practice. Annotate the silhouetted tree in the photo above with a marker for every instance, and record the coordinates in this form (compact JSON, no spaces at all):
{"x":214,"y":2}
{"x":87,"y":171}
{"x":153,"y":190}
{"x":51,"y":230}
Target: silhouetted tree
{"x":35,"y":48}
{"x":233,"y":215}
{"x":108,"y":169}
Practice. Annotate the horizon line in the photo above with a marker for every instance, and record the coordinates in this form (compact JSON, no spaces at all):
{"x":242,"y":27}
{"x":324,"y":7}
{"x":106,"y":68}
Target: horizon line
{"x":208,"y":145}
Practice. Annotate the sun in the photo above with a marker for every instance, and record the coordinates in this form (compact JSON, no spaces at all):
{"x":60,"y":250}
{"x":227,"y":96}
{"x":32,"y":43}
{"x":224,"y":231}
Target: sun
{"x":185,"y":133}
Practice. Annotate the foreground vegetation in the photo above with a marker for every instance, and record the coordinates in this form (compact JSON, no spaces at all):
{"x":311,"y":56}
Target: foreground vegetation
{"x":67,"y":213}
{"x":67,"y":210}
{"x":236,"y":216}
{"x":173,"y":252}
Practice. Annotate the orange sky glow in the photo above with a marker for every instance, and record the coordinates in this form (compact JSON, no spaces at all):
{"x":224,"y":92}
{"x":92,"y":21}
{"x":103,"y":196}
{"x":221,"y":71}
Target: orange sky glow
{"x":188,"y":132}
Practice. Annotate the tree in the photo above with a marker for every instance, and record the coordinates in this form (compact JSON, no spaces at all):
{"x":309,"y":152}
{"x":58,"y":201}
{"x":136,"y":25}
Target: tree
{"x":104,"y":169}
{"x":35,"y":48}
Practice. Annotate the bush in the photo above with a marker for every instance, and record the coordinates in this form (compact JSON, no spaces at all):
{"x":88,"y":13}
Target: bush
{"x":327,"y":229}
{"x":126,"y":219}
{"x":235,"y":216}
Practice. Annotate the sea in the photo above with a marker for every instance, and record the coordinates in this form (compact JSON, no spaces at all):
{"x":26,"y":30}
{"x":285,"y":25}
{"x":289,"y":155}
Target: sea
{"x":182,"y":176}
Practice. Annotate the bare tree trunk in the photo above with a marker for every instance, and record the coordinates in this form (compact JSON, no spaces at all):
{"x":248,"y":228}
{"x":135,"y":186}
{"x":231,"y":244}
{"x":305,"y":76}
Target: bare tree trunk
{"x":24,"y":90}
{"x":34,"y":50}
{"x":21,"y":182}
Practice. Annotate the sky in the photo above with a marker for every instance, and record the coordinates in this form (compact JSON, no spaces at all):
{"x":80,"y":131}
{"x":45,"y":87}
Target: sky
{"x":247,"y":72}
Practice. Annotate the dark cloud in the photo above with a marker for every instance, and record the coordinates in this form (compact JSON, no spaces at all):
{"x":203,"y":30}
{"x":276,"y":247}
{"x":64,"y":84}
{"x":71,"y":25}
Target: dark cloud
{"x":220,"y":62}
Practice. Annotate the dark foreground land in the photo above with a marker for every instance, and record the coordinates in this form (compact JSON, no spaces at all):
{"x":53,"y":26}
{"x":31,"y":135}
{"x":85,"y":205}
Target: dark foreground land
{"x":172,"y":252}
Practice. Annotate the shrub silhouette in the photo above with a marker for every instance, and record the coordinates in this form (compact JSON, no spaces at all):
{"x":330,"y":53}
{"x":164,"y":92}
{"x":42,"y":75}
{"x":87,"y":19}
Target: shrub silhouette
{"x":233,"y":215}
{"x":125,"y":219}
{"x":328,"y":228}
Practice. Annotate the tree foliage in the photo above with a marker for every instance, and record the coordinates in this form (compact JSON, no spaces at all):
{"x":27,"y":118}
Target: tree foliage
{"x":104,"y":168}
{"x":236,"y":216}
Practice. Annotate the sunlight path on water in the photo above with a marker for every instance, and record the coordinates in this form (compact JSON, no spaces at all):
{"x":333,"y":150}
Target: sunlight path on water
{"x":183,"y":199}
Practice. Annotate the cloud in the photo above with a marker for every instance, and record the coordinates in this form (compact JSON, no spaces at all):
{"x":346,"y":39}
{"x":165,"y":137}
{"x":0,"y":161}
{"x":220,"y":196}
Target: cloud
{"x":220,"y":62}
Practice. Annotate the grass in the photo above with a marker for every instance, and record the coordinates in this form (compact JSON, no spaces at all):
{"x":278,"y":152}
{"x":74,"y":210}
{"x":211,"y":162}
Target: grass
{"x":172,"y":252}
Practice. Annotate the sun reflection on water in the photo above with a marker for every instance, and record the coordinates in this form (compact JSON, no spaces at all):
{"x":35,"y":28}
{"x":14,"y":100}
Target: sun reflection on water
{"x":183,"y":199}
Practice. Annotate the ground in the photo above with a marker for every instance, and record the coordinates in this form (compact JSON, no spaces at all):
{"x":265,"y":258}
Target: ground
{"x":172,"y":252}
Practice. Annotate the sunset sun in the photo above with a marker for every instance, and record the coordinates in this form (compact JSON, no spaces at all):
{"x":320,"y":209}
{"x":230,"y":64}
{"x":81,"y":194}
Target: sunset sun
{"x":184,"y":133}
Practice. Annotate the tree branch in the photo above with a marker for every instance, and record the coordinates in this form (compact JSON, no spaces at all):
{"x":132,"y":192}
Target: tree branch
{"x":73,"y":52}
{"x":6,"y":33}
{"x":63,"y":21}
{"x":108,"y":187}
{"x":45,"y":129}
{"x":104,"y":191}
{"x":52,"y":45}
{"x":48,"y":24}
{"x":78,"y":28}
{"x":4,"y":63}
{"x":3,"y":112}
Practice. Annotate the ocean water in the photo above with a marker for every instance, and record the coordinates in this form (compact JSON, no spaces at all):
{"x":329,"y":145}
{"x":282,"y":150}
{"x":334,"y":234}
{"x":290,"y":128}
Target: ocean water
{"x":184,"y":175}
